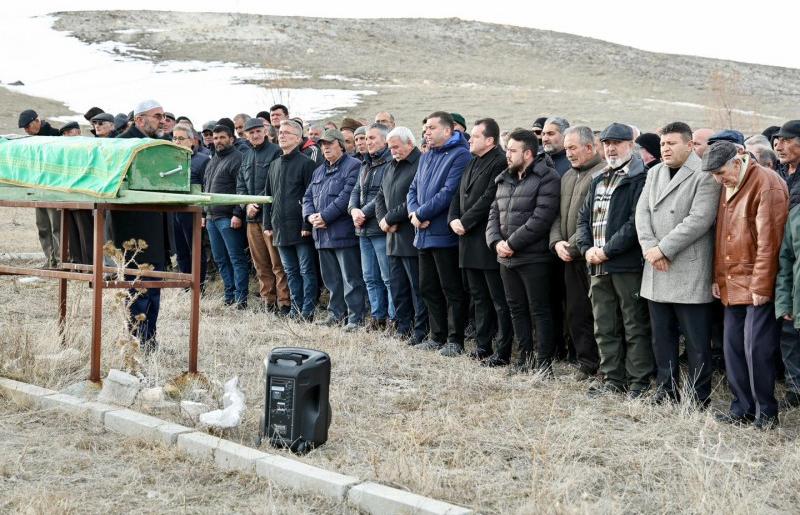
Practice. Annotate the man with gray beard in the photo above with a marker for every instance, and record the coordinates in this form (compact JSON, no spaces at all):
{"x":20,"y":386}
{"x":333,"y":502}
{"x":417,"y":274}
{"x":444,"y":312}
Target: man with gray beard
{"x":607,"y":239}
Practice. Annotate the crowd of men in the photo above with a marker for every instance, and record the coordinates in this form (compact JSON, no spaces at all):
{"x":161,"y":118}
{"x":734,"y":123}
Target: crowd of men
{"x":611,"y":249}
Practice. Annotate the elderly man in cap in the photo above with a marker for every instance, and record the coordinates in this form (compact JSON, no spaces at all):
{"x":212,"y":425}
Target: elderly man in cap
{"x":226,"y":231}
{"x":70,"y":129}
{"x":607,"y":239}
{"x":649,"y":149}
{"x":753,"y":208}
{"x":103,"y":125}
{"x":348,"y":129}
{"x":148,"y":122}
{"x":675,"y":221}
{"x":273,"y":287}
{"x":169,"y":124}
{"x":325,"y":208}
{"x":29,"y":122}
{"x":787,"y":146}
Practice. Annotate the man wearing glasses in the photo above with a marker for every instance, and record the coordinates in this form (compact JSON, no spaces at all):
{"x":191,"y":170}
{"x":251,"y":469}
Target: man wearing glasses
{"x":148,"y":122}
{"x":103,"y":124}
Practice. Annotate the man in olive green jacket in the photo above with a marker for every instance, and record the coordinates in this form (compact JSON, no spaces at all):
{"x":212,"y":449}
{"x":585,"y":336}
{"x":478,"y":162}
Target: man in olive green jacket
{"x":583,"y":156}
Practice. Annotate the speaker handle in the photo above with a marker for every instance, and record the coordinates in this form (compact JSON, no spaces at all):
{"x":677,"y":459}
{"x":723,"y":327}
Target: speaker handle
{"x":288,"y":356}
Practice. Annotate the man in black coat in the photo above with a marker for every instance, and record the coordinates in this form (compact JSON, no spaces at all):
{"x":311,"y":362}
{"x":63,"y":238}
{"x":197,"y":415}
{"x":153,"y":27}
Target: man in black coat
{"x":411,"y":315}
{"x":148,"y":122}
{"x":287,"y":181}
{"x":29,"y":122}
{"x":273,"y":289}
{"x":469,"y":212}
{"x":525,"y":205}
{"x":225,"y":224}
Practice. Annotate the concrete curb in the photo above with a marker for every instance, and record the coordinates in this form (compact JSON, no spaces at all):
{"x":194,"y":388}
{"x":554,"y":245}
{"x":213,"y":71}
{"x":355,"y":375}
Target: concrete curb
{"x":366,"y":496}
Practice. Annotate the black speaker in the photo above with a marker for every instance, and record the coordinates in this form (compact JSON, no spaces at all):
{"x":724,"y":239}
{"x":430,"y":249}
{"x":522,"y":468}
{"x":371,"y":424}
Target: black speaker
{"x":297,"y":412}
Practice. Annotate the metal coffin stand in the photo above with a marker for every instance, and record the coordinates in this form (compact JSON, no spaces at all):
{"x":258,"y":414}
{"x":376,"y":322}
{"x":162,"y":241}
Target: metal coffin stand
{"x":93,"y":273}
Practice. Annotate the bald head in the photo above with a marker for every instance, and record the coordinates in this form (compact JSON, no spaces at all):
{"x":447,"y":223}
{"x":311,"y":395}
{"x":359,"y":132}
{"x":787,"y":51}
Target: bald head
{"x":700,"y":140}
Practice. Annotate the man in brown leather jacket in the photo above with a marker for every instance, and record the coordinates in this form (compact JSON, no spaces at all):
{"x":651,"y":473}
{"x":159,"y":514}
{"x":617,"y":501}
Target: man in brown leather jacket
{"x":752,"y":212}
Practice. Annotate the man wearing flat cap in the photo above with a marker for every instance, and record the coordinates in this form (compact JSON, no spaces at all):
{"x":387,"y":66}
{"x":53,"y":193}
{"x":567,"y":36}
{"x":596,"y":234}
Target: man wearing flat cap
{"x":675,"y":221}
{"x":29,"y":122}
{"x":325,"y":208}
{"x":753,"y":208}
{"x":103,"y":125}
{"x":273,"y":287}
{"x":70,"y":129}
{"x":607,"y":238}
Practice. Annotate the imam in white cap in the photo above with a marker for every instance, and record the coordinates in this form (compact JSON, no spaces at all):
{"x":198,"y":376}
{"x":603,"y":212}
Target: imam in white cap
{"x":143,"y":107}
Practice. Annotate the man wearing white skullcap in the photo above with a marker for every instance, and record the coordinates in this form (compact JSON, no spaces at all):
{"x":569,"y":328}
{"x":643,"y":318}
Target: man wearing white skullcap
{"x":148,"y":121}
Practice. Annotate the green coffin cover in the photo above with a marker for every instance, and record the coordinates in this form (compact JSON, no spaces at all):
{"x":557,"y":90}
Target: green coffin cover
{"x":94,"y":166}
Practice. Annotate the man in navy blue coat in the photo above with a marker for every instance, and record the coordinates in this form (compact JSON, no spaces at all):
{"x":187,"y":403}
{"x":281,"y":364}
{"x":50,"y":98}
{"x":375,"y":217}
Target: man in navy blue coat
{"x":325,"y":208}
{"x":437,"y":181}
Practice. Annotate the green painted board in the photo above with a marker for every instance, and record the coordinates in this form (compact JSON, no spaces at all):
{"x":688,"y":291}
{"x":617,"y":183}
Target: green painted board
{"x":160,"y":168}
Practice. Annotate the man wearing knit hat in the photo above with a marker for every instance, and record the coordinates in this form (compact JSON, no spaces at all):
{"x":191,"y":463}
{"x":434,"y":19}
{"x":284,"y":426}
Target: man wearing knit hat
{"x":649,"y":149}
{"x":753,"y":207}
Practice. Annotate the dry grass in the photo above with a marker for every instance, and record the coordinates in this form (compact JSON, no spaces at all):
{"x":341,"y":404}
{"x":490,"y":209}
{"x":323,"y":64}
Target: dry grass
{"x":446,"y":427}
{"x":54,"y":464}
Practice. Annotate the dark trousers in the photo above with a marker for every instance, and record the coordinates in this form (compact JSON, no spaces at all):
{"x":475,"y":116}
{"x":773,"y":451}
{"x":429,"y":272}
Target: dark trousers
{"x":790,"y":353}
{"x":486,"y":289}
{"x":527,"y":290}
{"x":564,"y":347}
{"x":443,"y":293}
{"x":147,"y":303}
{"x":751,"y":340}
{"x":341,"y":271}
{"x":183,"y":245}
{"x":81,"y":235}
{"x":410,"y":311}
{"x":694,"y":321}
{"x":622,"y":330}
{"x":580,"y":320}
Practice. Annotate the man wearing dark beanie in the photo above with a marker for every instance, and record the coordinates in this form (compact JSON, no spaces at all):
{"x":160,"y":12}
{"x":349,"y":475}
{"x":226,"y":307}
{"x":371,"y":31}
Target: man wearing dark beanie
{"x":649,"y":149}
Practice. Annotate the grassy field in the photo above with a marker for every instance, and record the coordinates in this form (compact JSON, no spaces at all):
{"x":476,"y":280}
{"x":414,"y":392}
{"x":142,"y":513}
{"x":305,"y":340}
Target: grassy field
{"x":441,"y":427}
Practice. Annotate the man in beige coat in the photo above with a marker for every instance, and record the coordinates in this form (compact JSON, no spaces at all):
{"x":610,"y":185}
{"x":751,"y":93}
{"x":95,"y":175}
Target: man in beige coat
{"x":674,"y":220}
{"x":585,"y":163}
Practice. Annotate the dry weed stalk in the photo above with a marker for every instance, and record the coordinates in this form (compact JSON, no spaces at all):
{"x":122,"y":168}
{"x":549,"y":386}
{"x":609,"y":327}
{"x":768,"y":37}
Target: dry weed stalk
{"x":127,"y":341}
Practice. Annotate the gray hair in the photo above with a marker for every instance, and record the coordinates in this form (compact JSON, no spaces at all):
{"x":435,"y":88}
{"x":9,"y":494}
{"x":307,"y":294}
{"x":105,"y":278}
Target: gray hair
{"x":404,"y":133}
{"x":241,"y":116}
{"x":758,"y":140}
{"x":584,"y":133}
{"x":561,"y":123}
{"x":317,"y":126}
{"x":384,"y":130}
{"x":298,"y":130}
{"x":188,"y":129}
{"x":766,"y":156}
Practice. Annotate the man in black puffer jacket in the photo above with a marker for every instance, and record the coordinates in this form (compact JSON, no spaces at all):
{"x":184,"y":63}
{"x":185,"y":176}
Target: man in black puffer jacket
{"x":525,"y":205}
{"x":607,"y":238}
{"x":273,"y":289}
{"x":225,"y":223}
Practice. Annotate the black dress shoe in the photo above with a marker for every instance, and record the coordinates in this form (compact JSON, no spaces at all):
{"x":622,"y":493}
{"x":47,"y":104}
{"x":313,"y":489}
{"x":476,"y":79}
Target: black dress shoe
{"x":766,"y":423}
{"x":495,"y":361}
{"x":603,"y":389}
{"x":733,"y":418}
{"x":637,"y":393}
{"x":664,"y":396}
{"x":790,"y":400}
{"x":480,"y":354}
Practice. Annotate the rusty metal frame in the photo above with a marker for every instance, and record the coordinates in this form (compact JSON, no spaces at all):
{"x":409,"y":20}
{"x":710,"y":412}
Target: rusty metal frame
{"x":94,"y":273}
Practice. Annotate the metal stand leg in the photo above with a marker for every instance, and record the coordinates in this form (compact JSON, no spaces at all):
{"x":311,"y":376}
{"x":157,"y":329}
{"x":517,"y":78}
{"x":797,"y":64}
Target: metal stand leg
{"x":194,"y":320}
{"x":62,"y":283}
{"x":97,"y":292}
